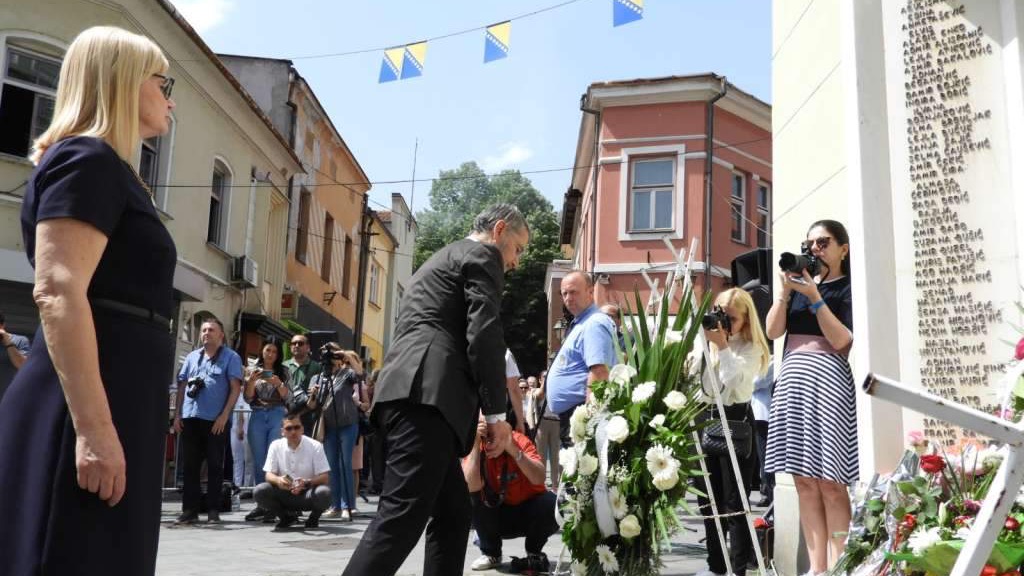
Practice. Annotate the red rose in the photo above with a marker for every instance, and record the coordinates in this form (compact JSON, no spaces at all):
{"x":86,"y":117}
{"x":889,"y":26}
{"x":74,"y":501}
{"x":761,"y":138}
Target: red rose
{"x":989,"y":570}
{"x":760,"y":523}
{"x":961,"y":520}
{"x":909,"y":522}
{"x":1011,"y":573}
{"x":1011,"y":523}
{"x":932,"y":463}
{"x":1019,"y":353}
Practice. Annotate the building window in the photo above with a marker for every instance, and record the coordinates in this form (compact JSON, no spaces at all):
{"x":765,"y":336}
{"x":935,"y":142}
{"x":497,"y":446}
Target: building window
{"x":302,"y":231}
{"x":764,"y":215}
{"x":374,"y":293}
{"x":220,"y":190}
{"x":27,"y":97}
{"x":651,"y":194}
{"x":325,"y":266}
{"x":155,"y":165}
{"x":346,"y":277}
{"x":738,"y":201}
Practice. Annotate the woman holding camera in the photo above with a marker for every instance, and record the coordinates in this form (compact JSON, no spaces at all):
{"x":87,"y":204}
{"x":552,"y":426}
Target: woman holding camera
{"x":813,"y":422}
{"x":340,"y":424}
{"x":83,"y":424}
{"x":266,"y":391}
{"x":739,"y":354}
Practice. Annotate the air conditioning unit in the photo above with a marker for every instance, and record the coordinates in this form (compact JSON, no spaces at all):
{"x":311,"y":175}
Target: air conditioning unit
{"x":244,"y":271}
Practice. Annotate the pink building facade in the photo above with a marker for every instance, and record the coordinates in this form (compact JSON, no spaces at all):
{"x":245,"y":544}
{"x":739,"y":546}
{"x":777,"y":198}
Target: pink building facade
{"x":642,"y":161}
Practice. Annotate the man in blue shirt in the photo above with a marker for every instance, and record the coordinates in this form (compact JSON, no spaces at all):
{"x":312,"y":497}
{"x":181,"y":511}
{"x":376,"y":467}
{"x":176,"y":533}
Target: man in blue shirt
{"x":208,"y":385}
{"x":14,"y":354}
{"x":587,"y":352}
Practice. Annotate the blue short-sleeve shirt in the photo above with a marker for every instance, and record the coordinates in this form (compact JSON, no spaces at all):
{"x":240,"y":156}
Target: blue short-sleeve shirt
{"x":217,"y":372}
{"x":591,"y":341}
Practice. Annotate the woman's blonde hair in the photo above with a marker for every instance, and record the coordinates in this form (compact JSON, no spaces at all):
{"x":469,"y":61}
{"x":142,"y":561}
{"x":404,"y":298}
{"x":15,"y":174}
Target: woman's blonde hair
{"x":743,"y":304}
{"x":98,"y":92}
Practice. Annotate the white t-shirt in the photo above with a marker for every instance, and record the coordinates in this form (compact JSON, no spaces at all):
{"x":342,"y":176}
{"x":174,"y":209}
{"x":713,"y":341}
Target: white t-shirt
{"x":307,"y":461}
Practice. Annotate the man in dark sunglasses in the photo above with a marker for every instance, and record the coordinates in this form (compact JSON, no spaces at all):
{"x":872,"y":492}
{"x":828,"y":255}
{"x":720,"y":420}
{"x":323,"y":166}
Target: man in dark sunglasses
{"x":296,"y":477}
{"x":301,"y":369}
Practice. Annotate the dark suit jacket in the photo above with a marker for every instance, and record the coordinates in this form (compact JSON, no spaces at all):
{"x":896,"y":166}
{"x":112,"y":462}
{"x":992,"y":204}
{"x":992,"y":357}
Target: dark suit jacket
{"x":449,"y":349}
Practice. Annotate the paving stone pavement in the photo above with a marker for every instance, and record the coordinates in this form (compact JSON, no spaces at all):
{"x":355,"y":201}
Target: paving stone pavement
{"x":238,"y":548}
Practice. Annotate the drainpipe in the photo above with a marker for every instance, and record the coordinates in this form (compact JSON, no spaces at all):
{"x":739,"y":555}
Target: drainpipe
{"x":709,"y":158}
{"x":585,"y":108}
{"x":251,"y":217}
{"x":365,"y":221}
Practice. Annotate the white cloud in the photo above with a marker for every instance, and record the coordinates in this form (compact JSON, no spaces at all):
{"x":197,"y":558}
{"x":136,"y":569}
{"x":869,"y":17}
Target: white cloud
{"x":204,"y":15}
{"x":511,"y":155}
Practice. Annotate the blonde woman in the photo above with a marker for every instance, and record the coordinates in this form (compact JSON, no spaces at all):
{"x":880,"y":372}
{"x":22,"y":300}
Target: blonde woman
{"x":739,"y":354}
{"x":82,"y":426}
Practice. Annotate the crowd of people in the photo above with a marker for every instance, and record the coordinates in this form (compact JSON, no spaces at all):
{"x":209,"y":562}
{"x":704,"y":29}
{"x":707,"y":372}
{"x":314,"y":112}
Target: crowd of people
{"x":455,"y":436}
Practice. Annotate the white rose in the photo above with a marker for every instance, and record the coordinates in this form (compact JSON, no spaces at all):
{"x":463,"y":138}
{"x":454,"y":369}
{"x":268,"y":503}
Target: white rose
{"x":581,"y":414}
{"x":567,"y":460}
{"x":675,"y":400}
{"x":658,"y":421}
{"x":617,"y":502}
{"x":666,"y":480}
{"x":587,"y":465}
{"x":617,"y":429}
{"x":578,"y":432}
{"x":673,"y":337}
{"x":579,"y":569}
{"x":629,"y":527}
{"x":643,"y":392}
{"x":621,"y":374}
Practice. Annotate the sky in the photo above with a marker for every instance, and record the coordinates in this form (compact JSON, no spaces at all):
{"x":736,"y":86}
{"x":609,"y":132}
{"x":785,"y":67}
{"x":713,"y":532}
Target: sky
{"x":521,"y":112}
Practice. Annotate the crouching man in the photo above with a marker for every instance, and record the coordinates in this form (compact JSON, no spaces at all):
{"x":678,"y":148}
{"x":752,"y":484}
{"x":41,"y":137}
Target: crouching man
{"x":506,"y":485}
{"x":296,"y":477}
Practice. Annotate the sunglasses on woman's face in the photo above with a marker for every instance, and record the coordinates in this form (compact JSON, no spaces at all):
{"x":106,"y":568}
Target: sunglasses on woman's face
{"x":166,"y":85}
{"x":821,"y":243}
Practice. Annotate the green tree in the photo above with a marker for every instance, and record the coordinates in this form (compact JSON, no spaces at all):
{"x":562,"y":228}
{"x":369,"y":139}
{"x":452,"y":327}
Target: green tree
{"x":456,"y":197}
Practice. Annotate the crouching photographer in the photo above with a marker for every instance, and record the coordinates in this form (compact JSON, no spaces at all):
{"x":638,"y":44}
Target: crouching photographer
{"x":296,"y":477}
{"x":506,"y":485}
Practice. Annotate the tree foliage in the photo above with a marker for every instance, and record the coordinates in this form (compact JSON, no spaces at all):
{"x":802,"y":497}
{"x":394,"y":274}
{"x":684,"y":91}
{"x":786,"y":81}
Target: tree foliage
{"x":456,"y":197}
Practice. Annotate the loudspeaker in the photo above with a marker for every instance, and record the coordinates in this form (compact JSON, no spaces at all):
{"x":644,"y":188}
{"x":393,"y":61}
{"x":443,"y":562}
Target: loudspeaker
{"x":752,"y":268}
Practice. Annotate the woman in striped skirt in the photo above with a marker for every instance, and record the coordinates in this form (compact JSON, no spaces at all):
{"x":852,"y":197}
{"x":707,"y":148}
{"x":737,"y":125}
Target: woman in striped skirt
{"x":813,"y":422}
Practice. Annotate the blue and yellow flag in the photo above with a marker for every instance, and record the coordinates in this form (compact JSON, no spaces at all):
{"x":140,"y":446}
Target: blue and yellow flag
{"x":412,"y":64}
{"x":626,"y":11}
{"x":391,"y":67}
{"x":496,"y":41}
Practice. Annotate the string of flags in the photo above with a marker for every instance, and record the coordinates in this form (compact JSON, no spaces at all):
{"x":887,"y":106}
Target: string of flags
{"x":402,"y":62}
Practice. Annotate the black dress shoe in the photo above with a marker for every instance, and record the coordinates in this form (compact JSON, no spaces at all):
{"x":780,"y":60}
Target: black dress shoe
{"x":187,"y":517}
{"x":269,"y":518}
{"x":285,"y":521}
{"x":213,"y":517}
{"x":255,"y":514}
{"x":314,"y":520}
{"x":764,"y":502}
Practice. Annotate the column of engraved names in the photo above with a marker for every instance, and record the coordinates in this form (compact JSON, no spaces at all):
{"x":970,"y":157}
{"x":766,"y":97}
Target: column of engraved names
{"x":949,"y":258}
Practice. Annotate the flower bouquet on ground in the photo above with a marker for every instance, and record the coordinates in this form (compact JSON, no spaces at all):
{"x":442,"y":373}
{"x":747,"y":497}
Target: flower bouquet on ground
{"x":916,"y":520}
{"x":634,"y":450}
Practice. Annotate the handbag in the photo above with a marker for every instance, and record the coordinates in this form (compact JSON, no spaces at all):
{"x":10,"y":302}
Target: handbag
{"x":712,"y":437}
{"x":320,"y":428}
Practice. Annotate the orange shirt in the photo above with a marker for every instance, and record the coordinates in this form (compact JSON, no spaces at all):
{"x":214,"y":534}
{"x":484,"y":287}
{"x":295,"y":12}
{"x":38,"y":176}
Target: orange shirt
{"x":519,"y":489}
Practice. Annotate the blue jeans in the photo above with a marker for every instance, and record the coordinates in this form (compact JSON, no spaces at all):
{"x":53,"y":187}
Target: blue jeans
{"x":264,"y":428}
{"x":339,"y":444}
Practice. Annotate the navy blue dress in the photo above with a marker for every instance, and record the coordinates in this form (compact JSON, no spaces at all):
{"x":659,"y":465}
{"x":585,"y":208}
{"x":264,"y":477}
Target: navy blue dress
{"x":48,"y":525}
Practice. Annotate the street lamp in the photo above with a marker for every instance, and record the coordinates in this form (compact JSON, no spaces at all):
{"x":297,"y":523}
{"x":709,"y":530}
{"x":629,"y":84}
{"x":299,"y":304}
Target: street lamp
{"x":559,"y":329}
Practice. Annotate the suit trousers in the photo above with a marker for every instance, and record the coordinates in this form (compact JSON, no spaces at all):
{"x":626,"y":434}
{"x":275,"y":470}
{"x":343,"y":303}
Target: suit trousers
{"x":198,"y":443}
{"x":423,"y":488}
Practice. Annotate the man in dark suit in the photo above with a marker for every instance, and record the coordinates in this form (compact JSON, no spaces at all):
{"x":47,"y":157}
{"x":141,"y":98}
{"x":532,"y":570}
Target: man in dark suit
{"x":446,"y":365}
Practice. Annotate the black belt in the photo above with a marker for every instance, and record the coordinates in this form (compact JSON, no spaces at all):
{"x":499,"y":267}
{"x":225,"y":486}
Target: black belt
{"x":132,"y":310}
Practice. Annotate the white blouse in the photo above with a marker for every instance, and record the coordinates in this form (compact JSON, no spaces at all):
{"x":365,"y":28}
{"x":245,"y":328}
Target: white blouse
{"x":737,"y":367}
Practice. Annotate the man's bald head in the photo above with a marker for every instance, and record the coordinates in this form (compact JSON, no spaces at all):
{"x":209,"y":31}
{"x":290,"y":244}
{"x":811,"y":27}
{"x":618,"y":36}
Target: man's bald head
{"x":577,"y":291}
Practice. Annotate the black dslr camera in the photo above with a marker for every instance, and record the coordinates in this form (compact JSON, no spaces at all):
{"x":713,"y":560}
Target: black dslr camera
{"x":327,"y":354}
{"x":194,"y":386}
{"x":795,"y":264}
{"x":717,"y":316}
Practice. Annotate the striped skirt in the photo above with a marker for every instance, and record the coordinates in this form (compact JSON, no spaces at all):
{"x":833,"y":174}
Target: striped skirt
{"x":812,"y":427}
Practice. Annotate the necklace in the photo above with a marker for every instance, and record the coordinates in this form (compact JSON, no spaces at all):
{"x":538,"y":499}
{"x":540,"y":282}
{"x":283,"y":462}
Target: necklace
{"x":141,"y":181}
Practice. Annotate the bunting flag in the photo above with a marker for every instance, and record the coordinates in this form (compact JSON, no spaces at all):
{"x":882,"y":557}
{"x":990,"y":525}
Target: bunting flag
{"x":496,"y":41}
{"x":391,"y":67}
{"x":412,"y":64}
{"x":626,"y":11}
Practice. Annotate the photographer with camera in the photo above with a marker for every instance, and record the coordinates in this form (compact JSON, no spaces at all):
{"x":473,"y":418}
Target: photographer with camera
{"x":739,"y":354}
{"x":267,"y":393}
{"x":208,"y":385}
{"x":812,"y":432}
{"x":338,"y":427}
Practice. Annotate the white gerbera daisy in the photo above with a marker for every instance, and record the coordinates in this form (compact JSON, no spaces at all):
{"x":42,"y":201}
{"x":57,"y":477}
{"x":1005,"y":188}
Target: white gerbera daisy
{"x":609,"y":563}
{"x":921,"y":540}
{"x":660,"y":459}
{"x":643,"y":392}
